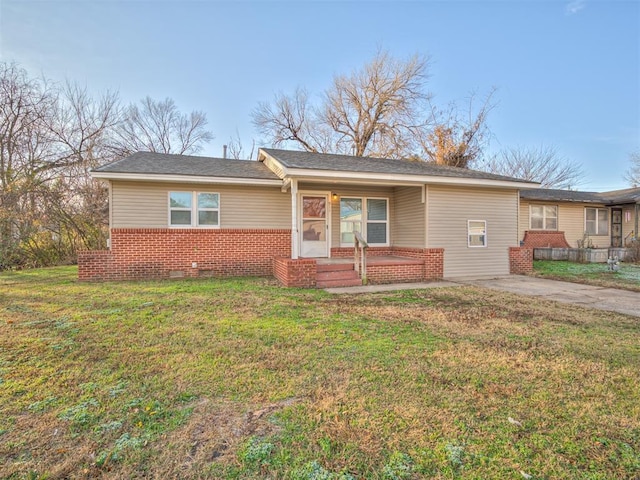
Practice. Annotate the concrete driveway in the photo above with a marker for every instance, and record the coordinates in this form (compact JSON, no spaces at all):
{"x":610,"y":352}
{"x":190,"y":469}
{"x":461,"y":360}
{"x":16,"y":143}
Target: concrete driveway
{"x":609,"y":299}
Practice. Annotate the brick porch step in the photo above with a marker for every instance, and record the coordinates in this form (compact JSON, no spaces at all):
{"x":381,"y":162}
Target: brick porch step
{"x":337,"y":275}
{"x":333,"y":267}
{"x":354,"y":282}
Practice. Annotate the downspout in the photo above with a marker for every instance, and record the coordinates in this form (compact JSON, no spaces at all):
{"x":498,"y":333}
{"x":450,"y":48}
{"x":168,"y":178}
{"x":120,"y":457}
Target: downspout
{"x":636,"y":225}
{"x":110,"y":203}
{"x":295,"y":245}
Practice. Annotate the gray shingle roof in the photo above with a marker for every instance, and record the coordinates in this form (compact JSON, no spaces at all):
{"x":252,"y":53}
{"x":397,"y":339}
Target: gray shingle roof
{"x":348,"y":163}
{"x":169,"y":164}
{"x":629,"y":195}
{"x":561,"y":195}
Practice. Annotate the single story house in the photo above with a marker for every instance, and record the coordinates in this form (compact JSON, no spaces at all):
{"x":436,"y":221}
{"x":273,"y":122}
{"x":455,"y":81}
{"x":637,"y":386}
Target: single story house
{"x":567,"y":218}
{"x":294,"y":215}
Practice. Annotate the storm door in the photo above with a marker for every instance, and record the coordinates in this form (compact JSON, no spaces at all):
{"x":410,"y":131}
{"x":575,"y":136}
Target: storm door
{"x":314,"y":226}
{"x":616,"y":227}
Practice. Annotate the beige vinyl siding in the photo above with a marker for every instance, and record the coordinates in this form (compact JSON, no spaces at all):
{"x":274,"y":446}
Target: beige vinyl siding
{"x":408,"y":219}
{"x":145,"y":204}
{"x":348,"y":191}
{"x":570,"y":221}
{"x":449,"y":209}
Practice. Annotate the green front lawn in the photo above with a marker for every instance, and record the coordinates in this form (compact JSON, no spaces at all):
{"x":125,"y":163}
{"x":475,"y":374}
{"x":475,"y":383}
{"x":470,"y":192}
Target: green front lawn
{"x":244,"y":379}
{"x":628,"y":277}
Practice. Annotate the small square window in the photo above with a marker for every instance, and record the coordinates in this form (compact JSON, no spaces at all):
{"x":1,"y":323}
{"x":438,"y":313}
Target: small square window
{"x":476,"y":233}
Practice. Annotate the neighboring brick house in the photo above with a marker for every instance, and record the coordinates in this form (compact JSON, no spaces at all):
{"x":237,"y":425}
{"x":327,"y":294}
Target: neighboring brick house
{"x":567,"y":218}
{"x":295,"y":214}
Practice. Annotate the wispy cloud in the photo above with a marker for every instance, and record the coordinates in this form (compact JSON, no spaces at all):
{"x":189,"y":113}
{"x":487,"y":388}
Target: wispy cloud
{"x":574,"y":7}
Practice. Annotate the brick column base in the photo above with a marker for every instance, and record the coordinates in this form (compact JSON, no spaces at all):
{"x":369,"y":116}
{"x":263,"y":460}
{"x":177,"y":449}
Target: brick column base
{"x":520,"y":260}
{"x":295,"y":273}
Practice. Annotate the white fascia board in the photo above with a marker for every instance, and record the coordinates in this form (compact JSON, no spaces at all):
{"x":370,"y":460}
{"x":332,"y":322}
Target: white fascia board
{"x":185,"y":179}
{"x":401,"y":179}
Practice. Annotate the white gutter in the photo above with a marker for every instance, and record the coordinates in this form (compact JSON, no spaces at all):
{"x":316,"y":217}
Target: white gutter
{"x":304,"y":175}
{"x":185,"y":178}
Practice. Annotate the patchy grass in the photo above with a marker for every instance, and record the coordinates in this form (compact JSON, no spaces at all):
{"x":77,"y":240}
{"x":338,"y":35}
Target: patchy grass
{"x":242,"y":379}
{"x":627,"y":278}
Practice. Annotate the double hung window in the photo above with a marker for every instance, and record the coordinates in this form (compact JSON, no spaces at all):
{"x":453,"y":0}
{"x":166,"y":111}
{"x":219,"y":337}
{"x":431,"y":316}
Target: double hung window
{"x":368,"y":216}
{"x":596,"y":221}
{"x":194,"y":209}
{"x":543,"y":217}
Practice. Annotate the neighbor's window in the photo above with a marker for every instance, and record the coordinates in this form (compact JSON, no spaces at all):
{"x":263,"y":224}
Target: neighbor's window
{"x":477,"y":233}
{"x":596,"y":221}
{"x":543,"y":217}
{"x":194,"y":209}
{"x":372,"y":222}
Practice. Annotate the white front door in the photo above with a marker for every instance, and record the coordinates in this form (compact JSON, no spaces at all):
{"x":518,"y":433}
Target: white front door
{"x":314,"y":226}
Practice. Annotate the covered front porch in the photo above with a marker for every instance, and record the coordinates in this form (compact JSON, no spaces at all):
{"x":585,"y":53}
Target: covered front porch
{"x":326,"y":216}
{"x":346,"y":234}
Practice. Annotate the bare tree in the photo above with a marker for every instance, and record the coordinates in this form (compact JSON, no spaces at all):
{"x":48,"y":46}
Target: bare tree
{"x":633,"y":174}
{"x":457,"y":137}
{"x":236,"y":149}
{"x":372,"y":112}
{"x":542,"y":164}
{"x":158,"y":126}
{"x":49,"y":139}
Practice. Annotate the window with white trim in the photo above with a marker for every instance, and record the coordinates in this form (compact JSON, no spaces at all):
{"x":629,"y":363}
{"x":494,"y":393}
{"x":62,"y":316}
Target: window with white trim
{"x":596,"y":221}
{"x":476,"y":233}
{"x":194,"y":209}
{"x":543,"y":217}
{"x":372,"y":221}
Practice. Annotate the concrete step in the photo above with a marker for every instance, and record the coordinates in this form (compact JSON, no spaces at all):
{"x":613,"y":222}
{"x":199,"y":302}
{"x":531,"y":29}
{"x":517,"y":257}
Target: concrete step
{"x":337,"y":275}
{"x":339,"y":283}
{"x":333,"y":267}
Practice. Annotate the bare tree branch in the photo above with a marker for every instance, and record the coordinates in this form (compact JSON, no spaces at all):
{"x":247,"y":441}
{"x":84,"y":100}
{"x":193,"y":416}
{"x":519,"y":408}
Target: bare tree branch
{"x":457,"y":138}
{"x":632,"y":175}
{"x":372,"y":111}
{"x":542,"y":164}
{"x":158,"y":126}
{"x":236,"y":150}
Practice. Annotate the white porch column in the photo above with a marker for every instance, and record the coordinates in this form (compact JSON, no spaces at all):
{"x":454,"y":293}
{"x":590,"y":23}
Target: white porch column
{"x":295,"y":244}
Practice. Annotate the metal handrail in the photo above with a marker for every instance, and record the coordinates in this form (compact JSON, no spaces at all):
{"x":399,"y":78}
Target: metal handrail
{"x":633,"y":238}
{"x":360,"y":256}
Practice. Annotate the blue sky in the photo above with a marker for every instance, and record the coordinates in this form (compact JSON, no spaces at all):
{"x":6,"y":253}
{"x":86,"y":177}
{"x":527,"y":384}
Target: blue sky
{"x":567,"y":73}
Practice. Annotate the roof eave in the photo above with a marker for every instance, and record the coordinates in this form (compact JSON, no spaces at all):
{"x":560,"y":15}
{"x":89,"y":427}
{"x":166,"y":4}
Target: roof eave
{"x":401,"y":179}
{"x":158,"y":177}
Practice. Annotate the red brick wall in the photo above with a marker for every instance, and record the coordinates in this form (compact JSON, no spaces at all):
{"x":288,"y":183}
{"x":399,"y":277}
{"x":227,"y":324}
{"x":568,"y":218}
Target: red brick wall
{"x":162,"y":253}
{"x":380,"y":274}
{"x":295,"y":273}
{"x":544,"y":239}
{"x":520,"y":260}
{"x":94,"y":265}
{"x":433,"y":263}
{"x":433,"y":257}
